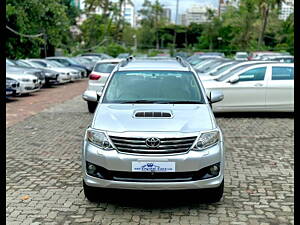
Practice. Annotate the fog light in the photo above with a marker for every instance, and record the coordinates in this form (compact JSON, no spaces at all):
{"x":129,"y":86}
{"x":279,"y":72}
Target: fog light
{"x":91,"y":168}
{"x":214,"y":170}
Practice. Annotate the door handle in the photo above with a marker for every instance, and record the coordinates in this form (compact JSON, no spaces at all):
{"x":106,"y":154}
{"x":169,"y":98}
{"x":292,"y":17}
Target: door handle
{"x":258,"y":85}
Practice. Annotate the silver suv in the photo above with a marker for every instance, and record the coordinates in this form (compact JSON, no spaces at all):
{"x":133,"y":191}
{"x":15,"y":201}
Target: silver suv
{"x":153,"y":129}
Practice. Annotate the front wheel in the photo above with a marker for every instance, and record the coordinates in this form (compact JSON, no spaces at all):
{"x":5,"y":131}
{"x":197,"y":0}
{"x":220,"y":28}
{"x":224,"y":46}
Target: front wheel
{"x":90,"y":192}
{"x":215,"y":194}
{"x":92,"y":106}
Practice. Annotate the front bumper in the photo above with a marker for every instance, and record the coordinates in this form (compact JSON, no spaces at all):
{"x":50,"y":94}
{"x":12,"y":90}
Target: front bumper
{"x":29,"y":87}
{"x":190,"y":161}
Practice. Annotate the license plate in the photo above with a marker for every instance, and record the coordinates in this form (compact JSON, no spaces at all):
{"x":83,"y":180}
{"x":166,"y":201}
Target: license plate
{"x":153,"y":166}
{"x":9,"y":92}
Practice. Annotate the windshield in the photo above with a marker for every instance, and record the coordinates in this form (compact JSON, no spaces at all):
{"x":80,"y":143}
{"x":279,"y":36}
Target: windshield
{"x":231,"y":72}
{"x":209,"y":62}
{"x":104,"y":67}
{"x":222,"y":69}
{"x":55,"y":63}
{"x":20,"y":63}
{"x":241,"y":56}
{"x":9,"y":63}
{"x":35,"y":64}
{"x":210,"y":66}
{"x":153,"y":87}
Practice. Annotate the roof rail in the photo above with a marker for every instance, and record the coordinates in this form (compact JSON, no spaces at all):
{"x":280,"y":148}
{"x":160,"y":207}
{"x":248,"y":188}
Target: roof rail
{"x":183,"y":62}
{"x":124,"y":62}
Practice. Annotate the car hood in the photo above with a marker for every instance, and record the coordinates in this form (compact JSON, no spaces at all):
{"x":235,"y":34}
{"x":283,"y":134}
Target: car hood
{"x":20,"y":76}
{"x":186,"y":118}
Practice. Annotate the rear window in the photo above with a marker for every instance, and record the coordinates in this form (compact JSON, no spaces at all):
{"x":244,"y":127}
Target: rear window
{"x":104,"y":67}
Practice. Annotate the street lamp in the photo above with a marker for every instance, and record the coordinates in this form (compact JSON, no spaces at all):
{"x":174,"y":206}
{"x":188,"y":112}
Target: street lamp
{"x":135,"y":42}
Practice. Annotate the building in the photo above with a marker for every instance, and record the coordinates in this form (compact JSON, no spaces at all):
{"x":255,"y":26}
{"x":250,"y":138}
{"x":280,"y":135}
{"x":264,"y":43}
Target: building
{"x":75,"y":3}
{"x":128,"y":11}
{"x":286,"y":9}
{"x":195,"y":14}
{"x":167,"y":13}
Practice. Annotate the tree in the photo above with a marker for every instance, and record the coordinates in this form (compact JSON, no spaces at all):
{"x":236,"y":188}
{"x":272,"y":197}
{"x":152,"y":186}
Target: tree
{"x":265,"y":6}
{"x":34,"y":17}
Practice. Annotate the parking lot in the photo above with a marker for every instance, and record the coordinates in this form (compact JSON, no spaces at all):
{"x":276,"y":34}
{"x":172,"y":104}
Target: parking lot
{"x":44,"y":183}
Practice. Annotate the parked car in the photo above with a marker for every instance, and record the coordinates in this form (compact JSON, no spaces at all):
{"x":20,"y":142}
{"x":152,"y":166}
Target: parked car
{"x":64,"y":73}
{"x":12,"y":87}
{"x":28,"y":83}
{"x":75,"y":73}
{"x":257,"y":87}
{"x":99,"y":55}
{"x":98,"y":77}
{"x":259,"y":54}
{"x":123,"y":55}
{"x":12,"y":64}
{"x":221,"y":54}
{"x":213,"y":68}
{"x":154,"y":129}
{"x":85,"y":62}
{"x":282,"y":58}
{"x":211,"y":65}
{"x":68,"y":62}
{"x":242,"y":56}
{"x":201,"y":59}
{"x":51,"y":76}
{"x":228,"y":68}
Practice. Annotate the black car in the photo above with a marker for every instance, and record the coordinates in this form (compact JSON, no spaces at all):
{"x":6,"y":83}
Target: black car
{"x":50,"y":75}
{"x":68,"y":62}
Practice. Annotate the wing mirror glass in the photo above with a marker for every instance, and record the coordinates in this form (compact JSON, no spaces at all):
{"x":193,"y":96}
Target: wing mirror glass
{"x":216,"y":96}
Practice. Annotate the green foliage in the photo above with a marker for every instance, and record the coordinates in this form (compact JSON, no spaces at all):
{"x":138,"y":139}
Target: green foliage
{"x":114,"y":49}
{"x":33,"y":17}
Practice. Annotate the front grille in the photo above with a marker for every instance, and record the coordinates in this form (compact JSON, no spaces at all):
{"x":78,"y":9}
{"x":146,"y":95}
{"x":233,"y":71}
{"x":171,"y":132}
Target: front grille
{"x":138,"y":145}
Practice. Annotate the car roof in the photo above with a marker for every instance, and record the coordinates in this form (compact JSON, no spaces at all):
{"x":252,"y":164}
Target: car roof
{"x":115,"y":60}
{"x":148,"y":64}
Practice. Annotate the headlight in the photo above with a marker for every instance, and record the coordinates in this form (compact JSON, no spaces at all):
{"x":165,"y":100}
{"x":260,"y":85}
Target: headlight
{"x":98,"y":138}
{"x":207,"y":139}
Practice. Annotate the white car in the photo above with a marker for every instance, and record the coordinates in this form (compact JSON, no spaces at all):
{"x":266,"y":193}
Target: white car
{"x":64,"y":73}
{"x":241,"y":56}
{"x":257,"y":87}
{"x":228,"y":68}
{"x":98,"y":77}
{"x":28,"y":83}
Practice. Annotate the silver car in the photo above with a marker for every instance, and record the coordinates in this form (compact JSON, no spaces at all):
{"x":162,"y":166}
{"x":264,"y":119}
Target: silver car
{"x":153,"y":129}
{"x":98,"y":77}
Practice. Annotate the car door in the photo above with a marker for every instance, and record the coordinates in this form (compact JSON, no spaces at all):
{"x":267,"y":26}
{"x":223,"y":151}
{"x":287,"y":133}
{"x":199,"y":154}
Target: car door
{"x":247,"y":94}
{"x":280,"y":88}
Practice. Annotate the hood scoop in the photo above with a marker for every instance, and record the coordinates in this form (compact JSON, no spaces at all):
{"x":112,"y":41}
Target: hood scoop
{"x":152,"y":114}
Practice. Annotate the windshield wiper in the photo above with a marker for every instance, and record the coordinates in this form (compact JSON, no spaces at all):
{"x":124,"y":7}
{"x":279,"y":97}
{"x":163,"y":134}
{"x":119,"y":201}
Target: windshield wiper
{"x":182,"y":102}
{"x":138,"y":101}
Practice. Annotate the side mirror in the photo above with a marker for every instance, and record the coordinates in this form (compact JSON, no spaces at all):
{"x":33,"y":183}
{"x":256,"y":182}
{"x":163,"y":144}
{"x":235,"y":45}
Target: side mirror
{"x":233,"y":80}
{"x":216,"y":96}
{"x":90,"y":96}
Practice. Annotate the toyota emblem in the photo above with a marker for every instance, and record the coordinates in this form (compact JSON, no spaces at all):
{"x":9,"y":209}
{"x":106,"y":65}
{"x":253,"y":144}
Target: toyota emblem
{"x":152,"y":142}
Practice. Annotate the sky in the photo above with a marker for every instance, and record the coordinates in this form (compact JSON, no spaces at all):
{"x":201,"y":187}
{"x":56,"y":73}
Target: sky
{"x":182,"y":6}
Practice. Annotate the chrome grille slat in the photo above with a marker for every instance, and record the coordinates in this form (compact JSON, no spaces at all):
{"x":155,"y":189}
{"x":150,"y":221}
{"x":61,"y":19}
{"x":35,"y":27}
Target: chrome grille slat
{"x":145,"y":146}
{"x":138,"y":145}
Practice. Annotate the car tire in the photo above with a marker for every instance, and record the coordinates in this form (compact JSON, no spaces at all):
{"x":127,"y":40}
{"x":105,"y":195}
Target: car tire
{"x":92,"y":106}
{"x":215,"y":194}
{"x":91,"y":193}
